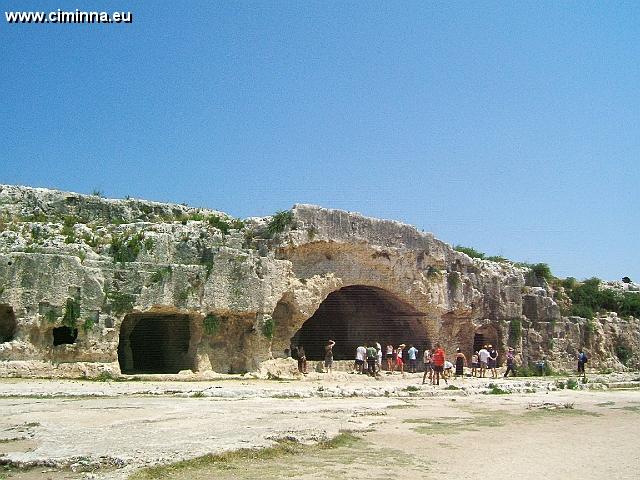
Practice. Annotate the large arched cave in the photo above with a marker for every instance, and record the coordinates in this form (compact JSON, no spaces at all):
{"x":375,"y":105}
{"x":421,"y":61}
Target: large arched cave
{"x":155,"y":343}
{"x":358,"y":314}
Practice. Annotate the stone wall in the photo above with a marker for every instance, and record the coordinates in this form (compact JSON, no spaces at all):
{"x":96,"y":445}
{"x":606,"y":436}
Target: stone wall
{"x":246,"y":290}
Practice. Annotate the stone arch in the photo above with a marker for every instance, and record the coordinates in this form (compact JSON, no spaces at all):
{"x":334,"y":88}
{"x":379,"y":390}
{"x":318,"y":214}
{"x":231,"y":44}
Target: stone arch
{"x":8,"y":324}
{"x":355,"y":314}
{"x":157,"y":343}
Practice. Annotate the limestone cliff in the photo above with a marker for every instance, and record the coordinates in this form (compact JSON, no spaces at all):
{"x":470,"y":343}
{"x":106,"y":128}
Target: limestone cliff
{"x":90,"y":284}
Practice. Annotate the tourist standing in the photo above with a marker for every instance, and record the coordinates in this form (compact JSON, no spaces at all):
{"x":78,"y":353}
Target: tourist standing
{"x":361,"y":354}
{"x":493,"y":361}
{"x":461,"y":362}
{"x":483,"y":356}
{"x":328,"y":356}
{"x":378,"y":357}
{"x":428,"y":370}
{"x":302,"y":360}
{"x":475,"y":364}
{"x":390,"y":354}
{"x":511,"y":363}
{"x":412,"y":353}
{"x":399,"y":362}
{"x":437,"y":360}
{"x":582,"y":359}
{"x":372,"y":355}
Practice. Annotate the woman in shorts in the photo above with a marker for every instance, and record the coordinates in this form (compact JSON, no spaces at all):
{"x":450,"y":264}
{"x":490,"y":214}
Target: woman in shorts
{"x":390,"y":354}
{"x":399,"y":362}
{"x":475,"y":364}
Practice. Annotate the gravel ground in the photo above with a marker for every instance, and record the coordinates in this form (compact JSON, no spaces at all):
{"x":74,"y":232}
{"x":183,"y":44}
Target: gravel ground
{"x":79,"y":429}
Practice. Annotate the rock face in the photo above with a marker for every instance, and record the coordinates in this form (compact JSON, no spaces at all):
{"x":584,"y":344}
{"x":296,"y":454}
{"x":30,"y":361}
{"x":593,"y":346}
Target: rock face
{"x":89,"y":285}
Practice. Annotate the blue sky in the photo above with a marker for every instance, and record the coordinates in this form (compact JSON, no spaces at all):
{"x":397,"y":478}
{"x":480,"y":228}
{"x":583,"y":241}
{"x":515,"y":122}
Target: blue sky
{"x":511,"y":127}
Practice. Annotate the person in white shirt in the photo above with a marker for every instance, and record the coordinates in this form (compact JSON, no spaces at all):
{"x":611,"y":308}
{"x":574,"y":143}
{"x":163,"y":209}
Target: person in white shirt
{"x":361,"y":355}
{"x":426,"y":359}
{"x":378,"y":357}
{"x":448,"y":368}
{"x":483,"y":356}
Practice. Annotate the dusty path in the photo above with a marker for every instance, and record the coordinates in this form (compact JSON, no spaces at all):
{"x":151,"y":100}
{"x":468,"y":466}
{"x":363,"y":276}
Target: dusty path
{"x":121,"y":427}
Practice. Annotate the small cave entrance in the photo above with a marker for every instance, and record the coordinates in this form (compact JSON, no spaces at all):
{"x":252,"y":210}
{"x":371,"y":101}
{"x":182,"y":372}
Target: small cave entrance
{"x":357,"y":314}
{"x":487,"y":335}
{"x":155,"y":343}
{"x":64,"y":336}
{"x":8,"y":323}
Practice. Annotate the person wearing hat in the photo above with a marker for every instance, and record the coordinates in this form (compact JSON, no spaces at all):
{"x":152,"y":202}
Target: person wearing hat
{"x":399,"y":362}
{"x":510,"y":363}
{"x":461,"y":361}
{"x":483,"y":356}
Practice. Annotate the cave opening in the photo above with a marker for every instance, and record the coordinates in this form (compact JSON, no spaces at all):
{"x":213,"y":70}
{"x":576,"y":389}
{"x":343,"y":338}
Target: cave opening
{"x":7,"y":323}
{"x":487,"y":335}
{"x":155,"y":343}
{"x":64,"y":335}
{"x":354,"y":315}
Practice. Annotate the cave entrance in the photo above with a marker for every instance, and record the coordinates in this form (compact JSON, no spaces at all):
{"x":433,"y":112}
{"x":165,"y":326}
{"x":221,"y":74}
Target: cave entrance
{"x":64,"y":336}
{"x":357,"y":314}
{"x":478,"y":342}
{"x":155,"y":343}
{"x":7,"y":323}
{"x":487,"y":335}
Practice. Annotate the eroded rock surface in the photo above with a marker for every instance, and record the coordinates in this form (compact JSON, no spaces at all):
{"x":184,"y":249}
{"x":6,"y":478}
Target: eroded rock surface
{"x":92,"y":286}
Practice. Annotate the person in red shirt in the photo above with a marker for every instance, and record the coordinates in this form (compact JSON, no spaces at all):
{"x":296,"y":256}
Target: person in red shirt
{"x":438,"y":364}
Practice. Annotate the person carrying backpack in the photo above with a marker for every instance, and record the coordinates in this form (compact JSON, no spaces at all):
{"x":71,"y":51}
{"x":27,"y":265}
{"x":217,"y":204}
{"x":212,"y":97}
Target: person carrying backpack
{"x":582,"y":359}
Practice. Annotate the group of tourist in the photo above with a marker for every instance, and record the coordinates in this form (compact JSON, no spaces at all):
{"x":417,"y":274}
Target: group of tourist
{"x":369,"y":356}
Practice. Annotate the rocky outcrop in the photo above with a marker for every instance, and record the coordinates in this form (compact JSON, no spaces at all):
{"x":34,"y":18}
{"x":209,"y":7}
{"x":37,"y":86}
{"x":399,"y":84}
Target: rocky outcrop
{"x":136,"y":286}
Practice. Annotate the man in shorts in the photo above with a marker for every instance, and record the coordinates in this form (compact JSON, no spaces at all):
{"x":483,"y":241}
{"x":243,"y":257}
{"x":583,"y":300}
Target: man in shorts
{"x":437,"y":360}
{"x":483,"y":357}
{"x":428,"y":370}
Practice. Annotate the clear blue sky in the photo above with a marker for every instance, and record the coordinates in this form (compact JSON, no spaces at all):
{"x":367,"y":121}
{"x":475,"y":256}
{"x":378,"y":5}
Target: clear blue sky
{"x":511,"y":127}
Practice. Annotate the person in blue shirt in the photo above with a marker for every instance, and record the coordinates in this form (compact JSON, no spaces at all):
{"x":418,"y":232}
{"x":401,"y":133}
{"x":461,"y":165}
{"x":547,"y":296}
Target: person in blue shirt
{"x":582,"y":359}
{"x":413,"y":355}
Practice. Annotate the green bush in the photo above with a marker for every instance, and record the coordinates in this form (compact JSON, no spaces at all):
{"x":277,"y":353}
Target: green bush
{"x":71,"y":313}
{"x":220,"y":223}
{"x":432,"y":272}
{"x":68,"y":230}
{"x":497,"y":258}
{"x":268,"y":328}
{"x":496,"y":390}
{"x":126,"y":247}
{"x":472,"y":252}
{"x":579,"y":310}
{"x":88,"y":325}
{"x":572,"y":384}
{"x":279,"y":222}
{"x":51,"y":316}
{"x":623,"y":352}
{"x":515,"y":331}
{"x":542,"y":271}
{"x":211,"y":324}
{"x":161,"y":274}
{"x":120,"y":302}
{"x":588,"y":298}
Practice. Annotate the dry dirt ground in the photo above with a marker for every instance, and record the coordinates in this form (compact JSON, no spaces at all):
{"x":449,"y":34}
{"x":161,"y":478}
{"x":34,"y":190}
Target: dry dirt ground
{"x":398,"y":428}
